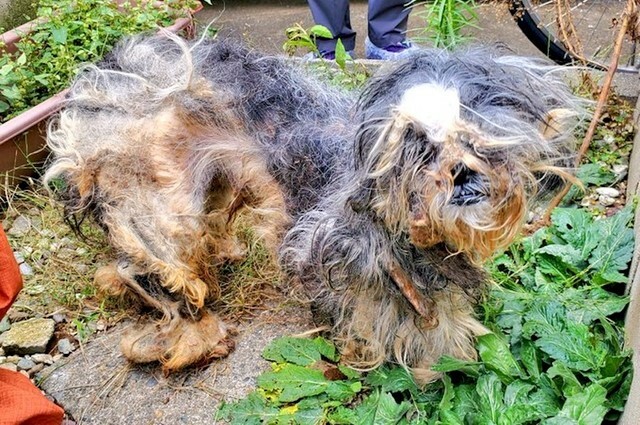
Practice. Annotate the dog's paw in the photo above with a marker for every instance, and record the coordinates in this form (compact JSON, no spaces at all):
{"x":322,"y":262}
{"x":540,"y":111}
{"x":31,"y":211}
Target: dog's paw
{"x":108,"y":280}
{"x":181,"y":343}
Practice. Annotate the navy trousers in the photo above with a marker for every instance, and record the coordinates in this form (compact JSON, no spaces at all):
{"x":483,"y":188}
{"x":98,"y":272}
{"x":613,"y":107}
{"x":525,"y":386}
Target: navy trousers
{"x":387,"y":22}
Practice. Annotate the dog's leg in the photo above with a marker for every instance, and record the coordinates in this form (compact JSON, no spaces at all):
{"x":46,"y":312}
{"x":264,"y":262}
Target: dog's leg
{"x":176,"y":341}
{"x":166,"y":241}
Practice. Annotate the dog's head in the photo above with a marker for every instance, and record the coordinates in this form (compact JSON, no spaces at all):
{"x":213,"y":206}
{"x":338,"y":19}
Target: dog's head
{"x":452,"y":148}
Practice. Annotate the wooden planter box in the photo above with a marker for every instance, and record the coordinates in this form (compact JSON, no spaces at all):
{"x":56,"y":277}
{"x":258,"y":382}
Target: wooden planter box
{"x":23,"y":138}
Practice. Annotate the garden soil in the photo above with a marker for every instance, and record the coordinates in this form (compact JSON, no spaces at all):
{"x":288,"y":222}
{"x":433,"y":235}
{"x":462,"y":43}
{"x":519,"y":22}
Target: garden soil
{"x":97,"y":386}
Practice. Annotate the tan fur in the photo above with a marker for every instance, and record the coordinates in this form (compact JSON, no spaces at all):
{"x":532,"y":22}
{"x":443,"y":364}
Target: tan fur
{"x":377,"y":320}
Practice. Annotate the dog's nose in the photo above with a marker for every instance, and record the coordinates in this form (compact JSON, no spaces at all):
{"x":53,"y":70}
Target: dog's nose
{"x":469,"y":186}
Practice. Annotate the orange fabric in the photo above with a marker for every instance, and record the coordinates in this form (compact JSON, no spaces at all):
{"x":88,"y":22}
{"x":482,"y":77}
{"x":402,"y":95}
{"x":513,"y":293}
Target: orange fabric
{"x":21,"y":403}
{"x":10,"y":279}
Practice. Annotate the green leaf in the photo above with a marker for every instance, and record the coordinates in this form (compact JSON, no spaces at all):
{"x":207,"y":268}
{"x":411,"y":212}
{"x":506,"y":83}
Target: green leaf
{"x":394,"y":379}
{"x":544,"y":317}
{"x":306,"y":417}
{"x":575,"y":347}
{"x":446,"y":403}
{"x":22,"y":60}
{"x":516,"y":392}
{"x":320,"y":31}
{"x":380,"y":408}
{"x":465,"y":400}
{"x":294,"y":382}
{"x":570,"y":384}
{"x":544,"y":401}
{"x":497,"y":357}
{"x":576,"y":228}
{"x":490,"y":399}
{"x":341,"y":55}
{"x":586,"y":407}
{"x":343,"y":415}
{"x":300,"y":351}
{"x":592,"y":305}
{"x":252,"y":410}
{"x":343,"y":391}
{"x":451,"y":364}
{"x":595,"y":174}
{"x":11,"y":93}
{"x":530,"y":360}
{"x":615,"y":249}
{"x":569,"y":255}
{"x":59,"y":35}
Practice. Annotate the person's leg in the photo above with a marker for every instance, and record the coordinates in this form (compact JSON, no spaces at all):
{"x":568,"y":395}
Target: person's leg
{"x":387,"y":22}
{"x":333,"y":14}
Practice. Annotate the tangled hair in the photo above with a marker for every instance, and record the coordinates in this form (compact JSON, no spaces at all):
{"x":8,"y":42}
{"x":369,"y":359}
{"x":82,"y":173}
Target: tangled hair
{"x":448,"y":151}
{"x":385,"y":202}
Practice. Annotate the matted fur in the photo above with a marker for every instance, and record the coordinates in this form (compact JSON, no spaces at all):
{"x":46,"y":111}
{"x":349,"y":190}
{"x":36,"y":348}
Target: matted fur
{"x":392,"y":212}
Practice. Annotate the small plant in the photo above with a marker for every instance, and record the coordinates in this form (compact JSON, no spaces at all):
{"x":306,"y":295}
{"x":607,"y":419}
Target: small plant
{"x":555,"y":355}
{"x":444,"y":21}
{"x":71,"y":32}
{"x":348,"y":74}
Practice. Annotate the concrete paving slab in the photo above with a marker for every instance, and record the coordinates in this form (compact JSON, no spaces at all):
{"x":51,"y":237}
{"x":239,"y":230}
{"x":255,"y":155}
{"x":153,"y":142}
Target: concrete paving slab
{"x":99,"y":387}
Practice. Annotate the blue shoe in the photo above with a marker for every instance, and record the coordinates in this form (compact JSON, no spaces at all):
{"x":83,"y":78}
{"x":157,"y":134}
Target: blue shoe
{"x":330,"y":56}
{"x":396,"y":51}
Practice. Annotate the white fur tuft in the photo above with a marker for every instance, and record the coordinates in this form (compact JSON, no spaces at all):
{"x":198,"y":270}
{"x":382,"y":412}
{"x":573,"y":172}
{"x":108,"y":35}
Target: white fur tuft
{"x":435,"y":107}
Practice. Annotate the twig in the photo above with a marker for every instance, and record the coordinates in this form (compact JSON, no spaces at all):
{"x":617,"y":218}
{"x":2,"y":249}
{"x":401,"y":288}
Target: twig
{"x":629,"y":11}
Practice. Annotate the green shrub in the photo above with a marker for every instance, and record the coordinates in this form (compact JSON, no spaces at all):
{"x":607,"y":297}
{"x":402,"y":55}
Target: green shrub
{"x":74,"y":32}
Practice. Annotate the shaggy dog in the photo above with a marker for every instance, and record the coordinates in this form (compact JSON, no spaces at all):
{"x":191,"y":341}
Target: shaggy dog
{"x":386,"y":202}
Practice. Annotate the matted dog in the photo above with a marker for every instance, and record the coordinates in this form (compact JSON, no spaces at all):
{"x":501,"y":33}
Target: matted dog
{"x":384,"y":202}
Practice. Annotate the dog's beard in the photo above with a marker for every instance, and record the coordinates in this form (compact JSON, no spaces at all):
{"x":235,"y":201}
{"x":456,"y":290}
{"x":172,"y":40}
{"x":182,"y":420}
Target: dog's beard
{"x":477,"y":214}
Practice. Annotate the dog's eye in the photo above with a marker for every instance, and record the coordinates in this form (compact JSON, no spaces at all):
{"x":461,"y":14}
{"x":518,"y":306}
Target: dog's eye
{"x":418,"y":146}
